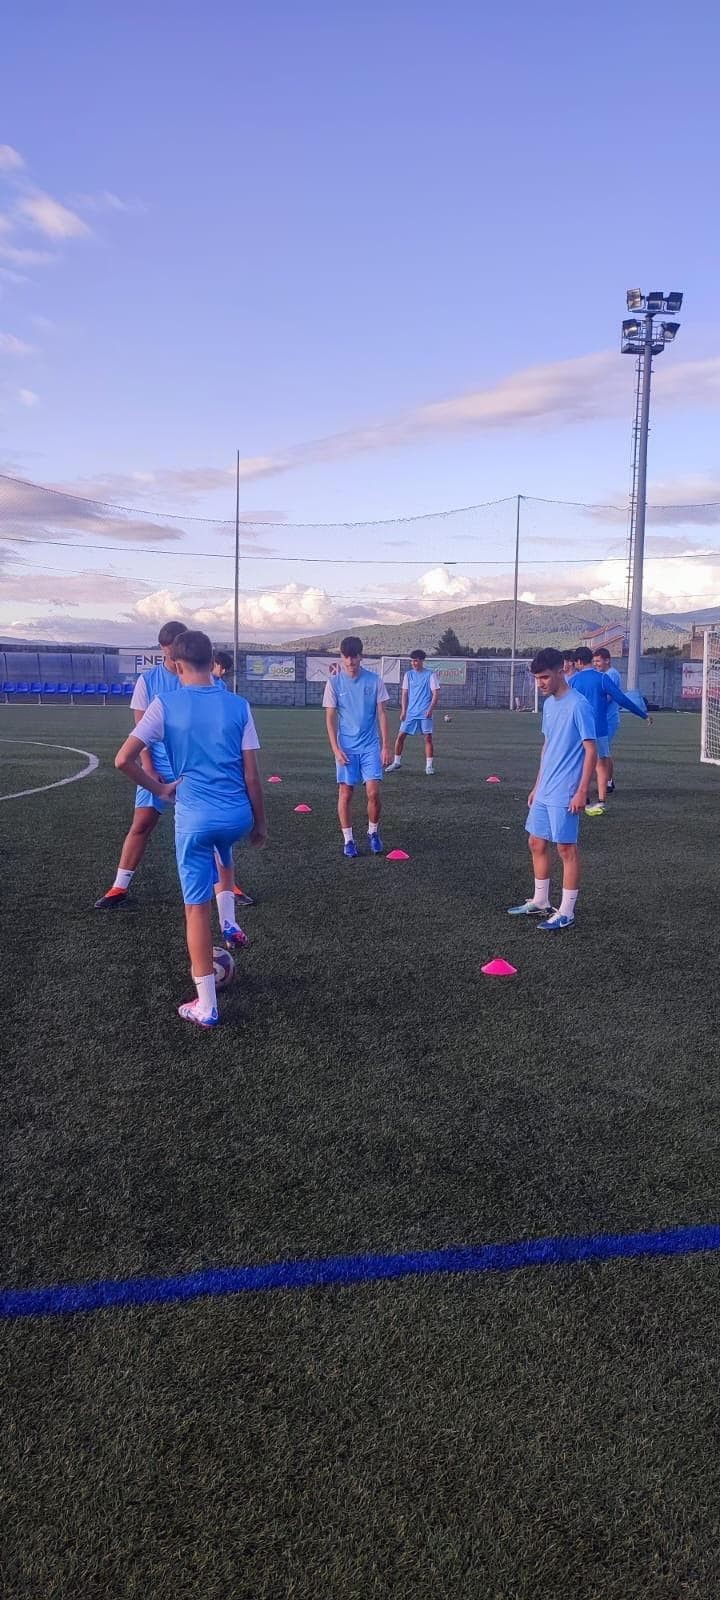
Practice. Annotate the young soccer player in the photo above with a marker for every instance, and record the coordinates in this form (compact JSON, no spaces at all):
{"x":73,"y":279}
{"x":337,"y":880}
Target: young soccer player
{"x":222,"y":666}
{"x":212,"y":746}
{"x":355,"y":702}
{"x":560,"y":792}
{"x":420,"y":695}
{"x":599,"y":691}
{"x":568,"y":663}
{"x":602,"y":662}
{"x":149,"y":808}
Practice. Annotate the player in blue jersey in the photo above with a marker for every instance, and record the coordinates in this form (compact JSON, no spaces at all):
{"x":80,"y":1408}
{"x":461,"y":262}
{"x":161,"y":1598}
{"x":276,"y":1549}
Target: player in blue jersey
{"x":602,"y":662}
{"x":161,"y":679}
{"x":355,"y":702}
{"x":212,"y":746}
{"x":600,"y":692}
{"x":420,"y":695}
{"x":560,"y":792}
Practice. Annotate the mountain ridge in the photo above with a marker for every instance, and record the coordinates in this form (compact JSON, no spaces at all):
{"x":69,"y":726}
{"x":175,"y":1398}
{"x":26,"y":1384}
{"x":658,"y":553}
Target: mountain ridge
{"x":490,"y":625}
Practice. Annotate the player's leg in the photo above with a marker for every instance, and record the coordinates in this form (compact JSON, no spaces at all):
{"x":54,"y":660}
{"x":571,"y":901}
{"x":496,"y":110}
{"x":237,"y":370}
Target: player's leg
{"x":566,"y":829}
{"x":345,"y":802}
{"x":374,"y":810}
{"x":602,"y":773}
{"x":145,"y":820}
{"x":233,"y":936}
{"x":241,"y":897}
{"x":196,"y":864}
{"x":429,"y":752}
{"x":539,"y":833}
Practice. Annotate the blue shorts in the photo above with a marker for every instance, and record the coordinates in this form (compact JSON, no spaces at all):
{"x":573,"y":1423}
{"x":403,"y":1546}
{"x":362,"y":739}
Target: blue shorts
{"x":197,"y":841}
{"x":143,"y":797}
{"x":362,"y":766}
{"x":553,"y":822}
{"x":417,"y":725}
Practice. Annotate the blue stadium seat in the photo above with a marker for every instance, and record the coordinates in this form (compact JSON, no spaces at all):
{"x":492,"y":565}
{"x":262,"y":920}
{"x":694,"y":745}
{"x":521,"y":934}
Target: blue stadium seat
{"x":77,"y":688}
{"x":128,"y":689}
{"x":22,"y":688}
{"x":63,"y":688}
{"x":36,"y":688}
{"x":116,"y":690}
{"x":50,"y":688}
{"x":92,"y":689}
{"x":102,"y":688}
{"x":9,"y":688}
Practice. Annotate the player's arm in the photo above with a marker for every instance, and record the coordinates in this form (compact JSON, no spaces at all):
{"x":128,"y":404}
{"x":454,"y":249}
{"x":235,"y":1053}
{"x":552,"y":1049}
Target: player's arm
{"x":404,"y":698}
{"x":331,"y":723}
{"x":616,"y":694}
{"x":149,"y":726}
{"x":386,"y":754}
{"x":579,"y":799}
{"x":531,"y":795}
{"x":434,"y":700}
{"x":146,"y":760}
{"x":253,"y":784}
{"x":138,"y":705}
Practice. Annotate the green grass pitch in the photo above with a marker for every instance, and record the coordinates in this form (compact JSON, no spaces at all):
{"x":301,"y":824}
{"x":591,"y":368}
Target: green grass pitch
{"x":546,"y":1435}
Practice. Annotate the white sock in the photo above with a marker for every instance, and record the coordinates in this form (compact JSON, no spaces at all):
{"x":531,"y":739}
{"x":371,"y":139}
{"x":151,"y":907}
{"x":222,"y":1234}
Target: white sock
{"x":567,"y":904}
{"x":225,"y":901}
{"x":397,"y":761}
{"x":123,"y":878}
{"x":373,"y":827}
{"x":541,"y":896}
{"x":429,"y":767}
{"x":347,"y":834}
{"x":207,"y":1002}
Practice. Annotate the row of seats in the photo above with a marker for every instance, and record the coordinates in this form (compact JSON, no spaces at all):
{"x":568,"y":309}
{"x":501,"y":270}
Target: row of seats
{"x":116,"y":691}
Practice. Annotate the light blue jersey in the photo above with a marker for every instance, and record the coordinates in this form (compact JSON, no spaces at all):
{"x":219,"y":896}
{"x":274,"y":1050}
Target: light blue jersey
{"x":598,"y":692}
{"x":356,"y":701}
{"x":421,"y":687}
{"x":157,"y":680}
{"x":567,"y":721}
{"x":613,"y":710}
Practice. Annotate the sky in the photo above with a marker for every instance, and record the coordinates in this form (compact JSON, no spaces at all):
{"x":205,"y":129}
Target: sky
{"x":382,"y":251}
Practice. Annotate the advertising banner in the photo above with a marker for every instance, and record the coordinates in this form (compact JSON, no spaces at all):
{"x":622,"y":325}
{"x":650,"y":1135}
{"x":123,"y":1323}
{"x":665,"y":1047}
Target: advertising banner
{"x":692,"y":676}
{"x":270,"y":669}
{"x":136,"y":661}
{"x":450,"y":670}
{"x":319,"y":668}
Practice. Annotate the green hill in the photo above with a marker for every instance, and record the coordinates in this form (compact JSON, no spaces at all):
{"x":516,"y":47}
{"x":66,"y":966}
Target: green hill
{"x":491,"y":625}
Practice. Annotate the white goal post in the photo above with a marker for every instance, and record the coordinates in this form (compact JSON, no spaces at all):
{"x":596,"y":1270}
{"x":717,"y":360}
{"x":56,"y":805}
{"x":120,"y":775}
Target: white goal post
{"x":710,"y":720}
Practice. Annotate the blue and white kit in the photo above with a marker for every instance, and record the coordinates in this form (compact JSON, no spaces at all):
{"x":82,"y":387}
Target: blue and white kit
{"x":567,"y":722}
{"x":356,"y":701}
{"x":420,"y":688}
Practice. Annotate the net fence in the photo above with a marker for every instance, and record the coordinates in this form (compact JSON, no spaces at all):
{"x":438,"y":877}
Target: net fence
{"x":710,"y":723}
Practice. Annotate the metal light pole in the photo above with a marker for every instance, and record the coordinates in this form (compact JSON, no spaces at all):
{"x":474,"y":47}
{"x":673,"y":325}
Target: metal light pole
{"x":643,"y":339}
{"x":515,"y":604}
{"x":236,"y":618}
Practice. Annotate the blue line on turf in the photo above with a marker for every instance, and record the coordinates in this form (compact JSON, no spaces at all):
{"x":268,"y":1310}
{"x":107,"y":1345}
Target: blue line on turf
{"x":64,"y":1299}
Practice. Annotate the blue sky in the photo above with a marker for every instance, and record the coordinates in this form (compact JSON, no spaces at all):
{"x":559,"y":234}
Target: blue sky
{"x":404,"y":229}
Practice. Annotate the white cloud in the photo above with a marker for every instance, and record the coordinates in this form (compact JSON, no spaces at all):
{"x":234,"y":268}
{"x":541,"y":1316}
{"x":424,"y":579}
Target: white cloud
{"x":28,"y":397}
{"x":51,"y":218}
{"x":22,"y":257}
{"x":31,"y":511}
{"x":671,"y":503}
{"x":10,"y":160}
{"x":105,"y":202}
{"x":10,"y":345}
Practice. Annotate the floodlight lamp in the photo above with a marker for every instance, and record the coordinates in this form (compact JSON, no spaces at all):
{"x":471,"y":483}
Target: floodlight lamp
{"x":658,"y":347}
{"x":674,"y":301}
{"x":655,"y":301}
{"x":669,"y":330}
{"x":631,"y":328}
{"x":635,"y":300}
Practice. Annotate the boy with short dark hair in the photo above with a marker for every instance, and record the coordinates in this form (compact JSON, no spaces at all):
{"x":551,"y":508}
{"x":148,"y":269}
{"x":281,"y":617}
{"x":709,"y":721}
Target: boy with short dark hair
{"x":599,"y":691}
{"x":212,"y":747}
{"x":568,"y":662}
{"x":222,"y":666}
{"x":559,"y":793}
{"x":420,"y":695}
{"x":602,"y":662}
{"x":161,"y":679}
{"x":355,"y":702}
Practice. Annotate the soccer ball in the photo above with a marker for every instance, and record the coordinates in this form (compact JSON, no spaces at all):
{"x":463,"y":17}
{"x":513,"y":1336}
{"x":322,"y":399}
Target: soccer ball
{"x":224,"y":968}
{"x":447,"y":718}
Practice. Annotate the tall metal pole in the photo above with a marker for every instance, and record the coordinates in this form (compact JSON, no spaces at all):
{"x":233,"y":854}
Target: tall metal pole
{"x":236,"y":619}
{"x":636,"y":604}
{"x":515,"y":605}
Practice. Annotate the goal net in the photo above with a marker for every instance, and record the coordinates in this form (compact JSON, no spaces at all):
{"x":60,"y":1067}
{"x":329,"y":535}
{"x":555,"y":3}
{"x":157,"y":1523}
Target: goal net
{"x":710,"y":727}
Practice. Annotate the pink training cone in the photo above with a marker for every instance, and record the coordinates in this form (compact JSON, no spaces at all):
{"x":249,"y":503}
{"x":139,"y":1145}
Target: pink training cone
{"x":493,"y":780}
{"x":274,"y":779}
{"x":499,"y":969}
{"x":397,"y":855}
{"x":303,"y":808}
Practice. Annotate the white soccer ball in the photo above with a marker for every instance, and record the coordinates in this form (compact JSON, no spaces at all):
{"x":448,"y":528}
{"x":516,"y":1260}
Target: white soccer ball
{"x":447,"y":718}
{"x":223,"y":967}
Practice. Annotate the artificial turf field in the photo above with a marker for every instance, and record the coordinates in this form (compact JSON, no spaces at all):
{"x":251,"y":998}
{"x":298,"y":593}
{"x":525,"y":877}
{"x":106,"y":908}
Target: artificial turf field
{"x":546,"y":1434}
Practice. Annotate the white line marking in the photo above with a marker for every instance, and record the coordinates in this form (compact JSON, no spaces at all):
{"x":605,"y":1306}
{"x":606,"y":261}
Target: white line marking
{"x":92,"y":764}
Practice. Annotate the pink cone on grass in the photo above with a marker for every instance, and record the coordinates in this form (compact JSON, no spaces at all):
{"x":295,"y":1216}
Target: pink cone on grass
{"x":274,"y":779}
{"x":499,"y":969}
{"x":493,"y":779}
{"x":303,"y":808}
{"x":397,"y":855}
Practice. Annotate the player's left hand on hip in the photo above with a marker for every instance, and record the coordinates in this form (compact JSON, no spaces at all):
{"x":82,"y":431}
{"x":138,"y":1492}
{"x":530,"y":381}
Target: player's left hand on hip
{"x":167,"y":790}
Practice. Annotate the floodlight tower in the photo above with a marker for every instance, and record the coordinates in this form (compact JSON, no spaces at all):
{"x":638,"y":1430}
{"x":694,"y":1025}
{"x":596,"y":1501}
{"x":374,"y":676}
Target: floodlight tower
{"x":641,"y":338}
